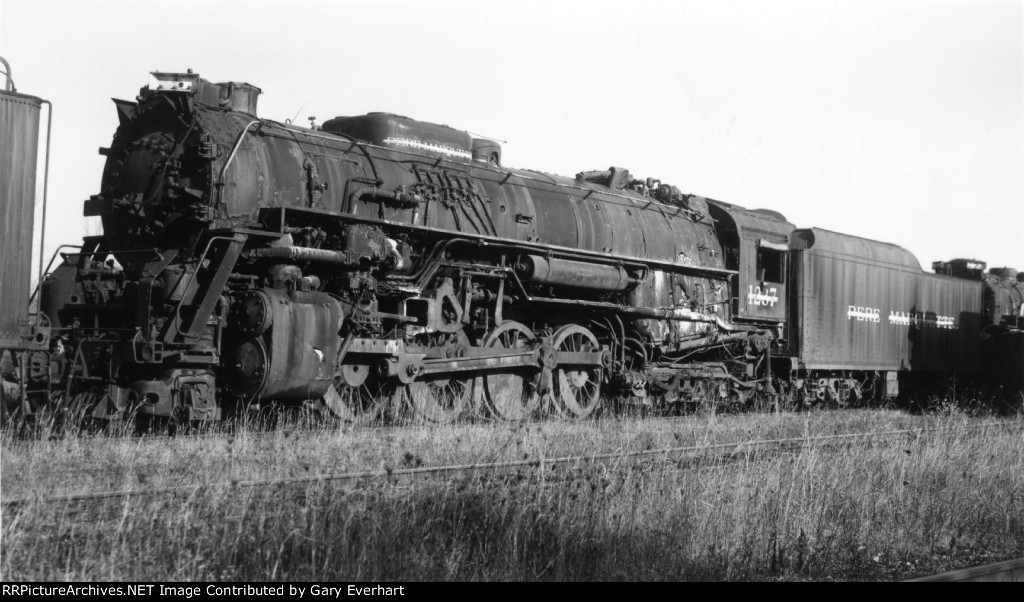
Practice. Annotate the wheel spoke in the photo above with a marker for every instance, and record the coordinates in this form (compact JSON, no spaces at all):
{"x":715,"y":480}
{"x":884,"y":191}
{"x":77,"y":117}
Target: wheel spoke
{"x":510,"y":395}
{"x":359,"y":404}
{"x":577,"y":389}
{"x":444,"y":399}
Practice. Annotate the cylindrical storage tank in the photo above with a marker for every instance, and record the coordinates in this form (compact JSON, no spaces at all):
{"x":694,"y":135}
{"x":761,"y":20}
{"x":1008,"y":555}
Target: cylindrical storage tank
{"x":19,"y":145}
{"x":576,"y":274}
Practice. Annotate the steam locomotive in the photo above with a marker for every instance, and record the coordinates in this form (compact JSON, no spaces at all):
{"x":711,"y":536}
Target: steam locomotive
{"x":377,"y":265}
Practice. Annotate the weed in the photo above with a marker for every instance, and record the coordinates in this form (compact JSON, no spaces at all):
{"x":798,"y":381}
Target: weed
{"x":873,"y":511}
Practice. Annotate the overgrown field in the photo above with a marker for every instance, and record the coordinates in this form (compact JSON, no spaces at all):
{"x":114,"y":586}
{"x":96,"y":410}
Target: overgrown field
{"x":886,"y":509}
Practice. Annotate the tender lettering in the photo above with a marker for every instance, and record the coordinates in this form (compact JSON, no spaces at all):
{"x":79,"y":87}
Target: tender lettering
{"x":920,"y":319}
{"x":863,"y":314}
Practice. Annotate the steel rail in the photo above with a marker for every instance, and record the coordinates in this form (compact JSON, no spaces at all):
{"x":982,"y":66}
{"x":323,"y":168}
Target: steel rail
{"x":663,"y":454}
{"x":1006,"y":571}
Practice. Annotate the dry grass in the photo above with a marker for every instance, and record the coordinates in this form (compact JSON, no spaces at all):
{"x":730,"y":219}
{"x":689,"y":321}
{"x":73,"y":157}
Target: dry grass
{"x":874,"y":511}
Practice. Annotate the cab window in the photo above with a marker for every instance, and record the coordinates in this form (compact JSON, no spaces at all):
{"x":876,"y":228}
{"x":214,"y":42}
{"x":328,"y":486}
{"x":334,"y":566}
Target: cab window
{"x":770,"y":265}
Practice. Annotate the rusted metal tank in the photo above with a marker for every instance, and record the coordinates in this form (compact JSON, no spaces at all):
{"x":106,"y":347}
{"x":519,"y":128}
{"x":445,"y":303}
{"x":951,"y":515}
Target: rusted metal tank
{"x":19,"y":145}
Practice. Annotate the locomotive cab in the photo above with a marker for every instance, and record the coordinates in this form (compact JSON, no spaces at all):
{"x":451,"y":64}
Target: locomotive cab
{"x":757,"y":247}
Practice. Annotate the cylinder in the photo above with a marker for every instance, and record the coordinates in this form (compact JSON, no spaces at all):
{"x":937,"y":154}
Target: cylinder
{"x":286,"y":345}
{"x":253,"y":314}
{"x":577,"y":274}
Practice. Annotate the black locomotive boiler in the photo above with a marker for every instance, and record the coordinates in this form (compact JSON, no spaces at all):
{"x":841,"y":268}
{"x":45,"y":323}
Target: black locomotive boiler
{"x":379,"y":264}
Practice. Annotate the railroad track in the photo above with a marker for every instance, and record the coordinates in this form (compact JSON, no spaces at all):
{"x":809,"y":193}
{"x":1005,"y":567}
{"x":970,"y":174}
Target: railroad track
{"x":269,"y":427}
{"x":678,"y":456}
{"x":1007,"y":571}
{"x":264,"y":429}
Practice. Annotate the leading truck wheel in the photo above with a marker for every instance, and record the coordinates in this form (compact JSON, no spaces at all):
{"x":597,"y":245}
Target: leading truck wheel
{"x":577,"y":389}
{"x":510,"y":395}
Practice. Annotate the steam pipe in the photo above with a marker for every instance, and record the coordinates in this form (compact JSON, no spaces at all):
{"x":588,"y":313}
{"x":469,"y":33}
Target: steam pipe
{"x":304,"y":254}
{"x":9,"y":85}
{"x":400,"y":196}
{"x":703,"y":342}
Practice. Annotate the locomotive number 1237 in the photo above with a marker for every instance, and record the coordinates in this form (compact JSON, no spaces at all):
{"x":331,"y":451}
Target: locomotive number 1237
{"x":766,"y":298}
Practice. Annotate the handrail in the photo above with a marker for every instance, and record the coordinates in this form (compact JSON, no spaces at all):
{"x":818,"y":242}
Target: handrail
{"x":9,"y":86}
{"x":48,"y":266}
{"x":231,"y":157}
{"x":46,"y":185}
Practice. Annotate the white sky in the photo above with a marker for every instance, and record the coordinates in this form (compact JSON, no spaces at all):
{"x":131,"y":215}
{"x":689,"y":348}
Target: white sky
{"x":897,"y":120}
